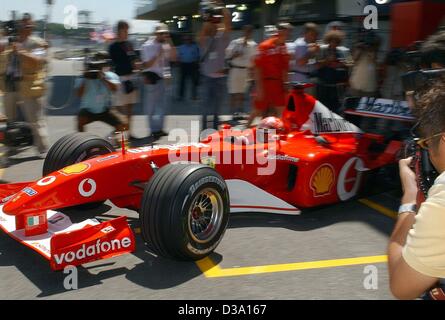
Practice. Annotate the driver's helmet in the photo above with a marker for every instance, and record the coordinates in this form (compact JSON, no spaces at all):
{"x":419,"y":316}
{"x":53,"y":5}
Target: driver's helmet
{"x":268,"y":126}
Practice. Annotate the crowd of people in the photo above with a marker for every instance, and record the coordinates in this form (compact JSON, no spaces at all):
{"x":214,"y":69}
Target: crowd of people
{"x":109,"y":88}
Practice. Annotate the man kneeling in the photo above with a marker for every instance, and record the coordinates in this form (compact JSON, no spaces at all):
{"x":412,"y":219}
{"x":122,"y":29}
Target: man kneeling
{"x":95,"y":90}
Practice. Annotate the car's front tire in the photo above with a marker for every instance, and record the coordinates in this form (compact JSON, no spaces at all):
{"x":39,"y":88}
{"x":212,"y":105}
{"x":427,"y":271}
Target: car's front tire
{"x":74,"y":148}
{"x":184,"y":211}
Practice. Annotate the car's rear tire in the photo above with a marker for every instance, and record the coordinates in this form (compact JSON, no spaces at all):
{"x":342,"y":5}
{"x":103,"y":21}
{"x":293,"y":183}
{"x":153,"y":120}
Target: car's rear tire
{"x":75,"y":148}
{"x":184,"y":211}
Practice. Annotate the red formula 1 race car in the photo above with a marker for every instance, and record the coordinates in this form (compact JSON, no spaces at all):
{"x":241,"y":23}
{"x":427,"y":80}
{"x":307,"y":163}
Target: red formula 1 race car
{"x":184,"y":193}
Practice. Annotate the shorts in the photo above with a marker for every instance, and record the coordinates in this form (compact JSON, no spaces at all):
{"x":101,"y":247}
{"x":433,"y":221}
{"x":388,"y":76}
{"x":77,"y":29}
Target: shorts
{"x":109,"y":117}
{"x":122,"y":98}
{"x":274,"y":95}
{"x":237,"y":81}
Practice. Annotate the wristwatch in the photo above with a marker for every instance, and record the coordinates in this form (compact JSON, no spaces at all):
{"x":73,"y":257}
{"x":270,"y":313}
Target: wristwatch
{"x":409,"y":207}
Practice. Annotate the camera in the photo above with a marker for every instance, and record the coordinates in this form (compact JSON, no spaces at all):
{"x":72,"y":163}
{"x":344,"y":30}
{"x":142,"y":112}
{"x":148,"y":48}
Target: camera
{"x":211,"y":11}
{"x":94,"y":68}
{"x":95,"y":65}
{"x":16,"y":134}
{"x":11,"y":29}
{"x":427,"y":61}
{"x":418,"y":80}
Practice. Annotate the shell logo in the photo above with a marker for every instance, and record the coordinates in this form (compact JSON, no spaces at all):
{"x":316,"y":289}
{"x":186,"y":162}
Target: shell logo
{"x":322,"y":180}
{"x":77,"y":168}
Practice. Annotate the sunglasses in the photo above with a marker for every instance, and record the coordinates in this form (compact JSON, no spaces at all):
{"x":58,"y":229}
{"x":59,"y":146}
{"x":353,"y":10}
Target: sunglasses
{"x":424,"y":143}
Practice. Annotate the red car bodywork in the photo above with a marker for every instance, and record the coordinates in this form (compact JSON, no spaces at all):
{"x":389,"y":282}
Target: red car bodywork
{"x":310,"y":170}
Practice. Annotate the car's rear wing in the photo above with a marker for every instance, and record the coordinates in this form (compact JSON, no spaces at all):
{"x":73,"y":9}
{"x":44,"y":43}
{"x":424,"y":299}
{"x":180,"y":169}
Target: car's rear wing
{"x":63,"y":243}
{"x":378,"y":108}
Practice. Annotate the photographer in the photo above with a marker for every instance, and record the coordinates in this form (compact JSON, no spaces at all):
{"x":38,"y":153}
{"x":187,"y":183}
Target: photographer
{"x":213,"y":40}
{"x":23,"y":80}
{"x":417,"y":246}
{"x":95,"y":90}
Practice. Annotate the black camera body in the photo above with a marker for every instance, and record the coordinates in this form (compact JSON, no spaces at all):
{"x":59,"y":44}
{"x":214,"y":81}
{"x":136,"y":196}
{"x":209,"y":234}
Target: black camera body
{"x":16,"y":134}
{"x":94,"y":69}
{"x":211,"y":11}
{"x":418,"y":80}
{"x":11,"y":31}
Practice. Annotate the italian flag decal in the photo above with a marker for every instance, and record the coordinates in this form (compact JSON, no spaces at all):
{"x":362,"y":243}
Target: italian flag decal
{"x":33,"y":221}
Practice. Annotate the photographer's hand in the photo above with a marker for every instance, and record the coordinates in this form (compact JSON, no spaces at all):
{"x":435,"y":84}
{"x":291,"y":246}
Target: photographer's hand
{"x":399,"y":269}
{"x":409,"y":182}
{"x":227,"y":20}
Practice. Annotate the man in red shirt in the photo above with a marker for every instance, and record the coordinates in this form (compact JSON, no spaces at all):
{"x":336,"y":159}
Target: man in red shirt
{"x":271,"y":74}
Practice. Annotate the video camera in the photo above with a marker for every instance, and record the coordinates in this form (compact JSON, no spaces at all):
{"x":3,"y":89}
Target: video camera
{"x":211,"y":11}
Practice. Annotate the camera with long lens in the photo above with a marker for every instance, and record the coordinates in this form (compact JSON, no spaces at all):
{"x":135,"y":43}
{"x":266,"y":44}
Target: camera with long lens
{"x":420,"y":79}
{"x":425,"y":60}
{"x":211,"y":11}
{"x":421,"y":76}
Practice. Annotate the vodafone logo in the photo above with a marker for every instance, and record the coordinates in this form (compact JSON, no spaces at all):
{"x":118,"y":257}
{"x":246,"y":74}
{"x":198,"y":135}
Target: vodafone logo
{"x":87,"y":188}
{"x":46,"y":181}
{"x":350,"y":178}
{"x":99,"y":248}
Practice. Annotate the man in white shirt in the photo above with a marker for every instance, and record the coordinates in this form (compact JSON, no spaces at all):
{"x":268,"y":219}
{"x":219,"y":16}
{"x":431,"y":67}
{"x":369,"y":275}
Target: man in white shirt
{"x":214,"y":38}
{"x":306,"y":50}
{"x":240,"y":54}
{"x":156,"y":54}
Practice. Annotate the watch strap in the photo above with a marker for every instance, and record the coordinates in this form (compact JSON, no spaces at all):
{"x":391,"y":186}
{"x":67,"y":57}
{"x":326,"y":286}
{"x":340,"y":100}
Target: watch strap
{"x":409,"y":207}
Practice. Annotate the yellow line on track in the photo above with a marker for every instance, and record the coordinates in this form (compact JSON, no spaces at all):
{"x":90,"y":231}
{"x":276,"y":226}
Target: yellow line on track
{"x":211,"y":270}
{"x":378,"y":207}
